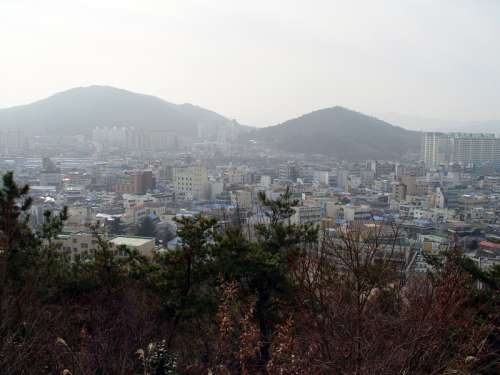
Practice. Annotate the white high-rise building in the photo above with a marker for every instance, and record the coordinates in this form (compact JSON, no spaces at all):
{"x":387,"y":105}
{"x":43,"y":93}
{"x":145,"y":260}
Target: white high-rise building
{"x":474,"y":148}
{"x":462,"y":148}
{"x":434,"y":148}
{"x":265,"y":181}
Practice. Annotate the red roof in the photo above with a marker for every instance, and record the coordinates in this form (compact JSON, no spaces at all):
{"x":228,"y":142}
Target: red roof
{"x":489,"y":245}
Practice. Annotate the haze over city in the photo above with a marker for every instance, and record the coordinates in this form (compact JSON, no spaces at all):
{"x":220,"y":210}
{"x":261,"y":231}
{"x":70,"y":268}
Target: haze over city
{"x":262,"y":188}
{"x":262,"y":62}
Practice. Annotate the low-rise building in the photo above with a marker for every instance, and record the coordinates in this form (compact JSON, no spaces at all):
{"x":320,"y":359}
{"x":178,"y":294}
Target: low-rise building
{"x":84,"y":244}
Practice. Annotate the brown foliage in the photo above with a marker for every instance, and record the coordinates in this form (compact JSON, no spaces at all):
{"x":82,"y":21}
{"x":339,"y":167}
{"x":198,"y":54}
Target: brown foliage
{"x":351,"y":309}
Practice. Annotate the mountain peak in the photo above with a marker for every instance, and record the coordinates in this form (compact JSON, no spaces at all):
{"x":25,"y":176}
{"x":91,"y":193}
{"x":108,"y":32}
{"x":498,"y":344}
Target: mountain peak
{"x":80,"y":109}
{"x":342,"y":133}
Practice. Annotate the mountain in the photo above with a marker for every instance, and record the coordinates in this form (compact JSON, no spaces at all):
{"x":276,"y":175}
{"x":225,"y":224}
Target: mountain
{"x":341,"y":133}
{"x":337,"y":131}
{"x":79,"y":110}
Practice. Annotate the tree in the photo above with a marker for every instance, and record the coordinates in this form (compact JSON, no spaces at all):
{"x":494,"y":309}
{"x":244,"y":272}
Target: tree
{"x":354,"y":317}
{"x":16,"y":240}
{"x":262,"y":268}
{"x":226,"y":303}
{"x":185,"y":272}
{"x":116,"y":226}
{"x":146,"y":228}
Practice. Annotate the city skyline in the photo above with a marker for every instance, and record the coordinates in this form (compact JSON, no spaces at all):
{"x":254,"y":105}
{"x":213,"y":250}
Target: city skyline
{"x":270,"y":187}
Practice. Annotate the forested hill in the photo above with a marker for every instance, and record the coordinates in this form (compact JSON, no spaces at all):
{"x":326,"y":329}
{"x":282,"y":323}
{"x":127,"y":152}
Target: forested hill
{"x":79,"y":110}
{"x":341,"y":133}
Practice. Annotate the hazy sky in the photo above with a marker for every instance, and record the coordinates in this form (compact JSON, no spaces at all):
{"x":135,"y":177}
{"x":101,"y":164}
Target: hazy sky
{"x":261,"y":62}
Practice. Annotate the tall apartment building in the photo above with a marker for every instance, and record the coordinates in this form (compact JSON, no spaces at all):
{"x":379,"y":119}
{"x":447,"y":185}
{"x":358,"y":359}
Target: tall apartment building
{"x":461,"y":148}
{"x":50,"y":174}
{"x":343,"y":179}
{"x":13,"y":141}
{"x":474,"y":148}
{"x":130,"y":138}
{"x":191,"y":182}
{"x":434,"y":148}
{"x":288,"y":171}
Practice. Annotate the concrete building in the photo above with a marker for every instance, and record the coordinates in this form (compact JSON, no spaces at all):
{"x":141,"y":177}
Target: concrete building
{"x":434,"y":148}
{"x":50,"y":174}
{"x":83,"y":244}
{"x":411,"y":184}
{"x":434,"y":244}
{"x":265,"y":181}
{"x":399,"y":191}
{"x":343,"y":179}
{"x":242,"y":198}
{"x":469,"y":148}
{"x":143,"y":181}
{"x":216,"y":188}
{"x":357,"y":213}
{"x":306,"y":215}
{"x":13,"y":142}
{"x":348,"y":212}
{"x":461,"y":148}
{"x":136,"y":182}
{"x":384,"y":168}
{"x":191,"y":182}
{"x":145,"y":246}
{"x":288,"y":171}
{"x":321,"y":177}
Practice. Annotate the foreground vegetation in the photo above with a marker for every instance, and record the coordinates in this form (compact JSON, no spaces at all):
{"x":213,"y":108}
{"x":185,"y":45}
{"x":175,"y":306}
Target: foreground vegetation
{"x":224,"y":304}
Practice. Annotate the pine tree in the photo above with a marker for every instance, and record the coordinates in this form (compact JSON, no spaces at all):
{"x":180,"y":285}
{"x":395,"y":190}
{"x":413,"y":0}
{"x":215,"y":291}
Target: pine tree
{"x":17,"y":243}
{"x":146,"y":228}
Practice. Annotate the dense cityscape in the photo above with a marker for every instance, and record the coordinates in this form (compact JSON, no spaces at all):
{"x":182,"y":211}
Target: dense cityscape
{"x":249,"y":188}
{"x":123,"y":175}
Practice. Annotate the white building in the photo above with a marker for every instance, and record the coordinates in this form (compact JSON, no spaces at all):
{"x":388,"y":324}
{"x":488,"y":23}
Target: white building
{"x":321,"y":177}
{"x":83,"y":244}
{"x":265,"y":181}
{"x":306,"y":215}
{"x":191,"y":182}
{"x":462,"y":148}
{"x":434,"y":148}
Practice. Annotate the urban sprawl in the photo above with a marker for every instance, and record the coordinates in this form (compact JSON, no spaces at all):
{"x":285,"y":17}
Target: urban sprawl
{"x":132,"y":184}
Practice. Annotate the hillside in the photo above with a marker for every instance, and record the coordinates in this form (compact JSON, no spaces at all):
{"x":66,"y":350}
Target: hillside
{"x":340,"y":133}
{"x":79,"y":110}
{"x":336,"y":131}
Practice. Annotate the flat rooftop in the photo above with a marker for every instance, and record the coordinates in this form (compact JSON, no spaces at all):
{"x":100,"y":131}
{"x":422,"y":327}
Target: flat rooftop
{"x":131,"y":241}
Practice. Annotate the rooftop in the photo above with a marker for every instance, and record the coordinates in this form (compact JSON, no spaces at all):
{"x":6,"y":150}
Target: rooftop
{"x":131,"y":241}
{"x":489,"y":245}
